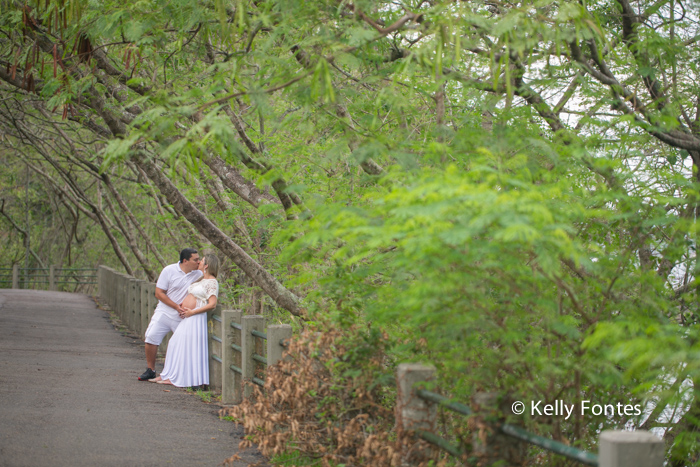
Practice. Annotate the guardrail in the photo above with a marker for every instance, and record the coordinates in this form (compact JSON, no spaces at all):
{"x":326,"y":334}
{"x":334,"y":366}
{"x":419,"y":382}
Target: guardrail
{"x":417,"y":412}
{"x":239,"y":351}
{"x":51,"y":278}
{"x":236,"y":352}
{"x":132,"y":300}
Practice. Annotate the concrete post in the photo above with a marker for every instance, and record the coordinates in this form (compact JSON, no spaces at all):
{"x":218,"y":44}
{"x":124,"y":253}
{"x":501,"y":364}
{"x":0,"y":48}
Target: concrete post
{"x":110,"y":284}
{"x":125,"y":301}
{"x":135,"y":306}
{"x":130,"y":289}
{"x":120,"y":297}
{"x":214,"y":328}
{"x":15,"y":276}
{"x":275,"y":334}
{"x":143,"y":308}
{"x":630,"y":449}
{"x":113,"y":287}
{"x":100,"y":289}
{"x":104,"y":286}
{"x":412,"y":412}
{"x":52,"y":278}
{"x":231,"y":380}
{"x":102,"y":279}
{"x":249,"y":323}
{"x":152,"y":301}
{"x":492,"y":446}
{"x":117,"y":293}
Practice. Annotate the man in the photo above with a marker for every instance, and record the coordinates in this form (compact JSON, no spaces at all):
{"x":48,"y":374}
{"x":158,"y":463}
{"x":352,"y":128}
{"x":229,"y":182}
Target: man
{"x":171,"y":289}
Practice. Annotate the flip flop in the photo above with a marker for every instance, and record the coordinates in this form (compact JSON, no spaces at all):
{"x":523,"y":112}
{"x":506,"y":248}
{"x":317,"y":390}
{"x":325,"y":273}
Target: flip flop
{"x":155,"y":380}
{"x":167,"y":381}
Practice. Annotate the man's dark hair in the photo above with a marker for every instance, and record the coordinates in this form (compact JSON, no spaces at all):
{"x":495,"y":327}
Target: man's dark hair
{"x":187,"y":254}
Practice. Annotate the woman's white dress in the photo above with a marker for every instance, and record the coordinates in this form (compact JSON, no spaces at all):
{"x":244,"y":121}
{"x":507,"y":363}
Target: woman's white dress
{"x":187,"y":358}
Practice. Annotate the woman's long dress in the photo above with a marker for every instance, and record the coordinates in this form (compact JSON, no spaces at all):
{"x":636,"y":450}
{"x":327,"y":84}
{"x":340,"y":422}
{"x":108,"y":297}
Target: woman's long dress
{"x":187,"y":358}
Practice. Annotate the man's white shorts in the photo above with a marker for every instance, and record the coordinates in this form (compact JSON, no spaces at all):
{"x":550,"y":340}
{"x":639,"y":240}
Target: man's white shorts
{"x":159,"y":326}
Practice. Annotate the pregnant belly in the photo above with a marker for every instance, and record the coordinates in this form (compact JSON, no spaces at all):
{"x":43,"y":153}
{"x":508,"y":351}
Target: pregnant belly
{"x":189,"y":302}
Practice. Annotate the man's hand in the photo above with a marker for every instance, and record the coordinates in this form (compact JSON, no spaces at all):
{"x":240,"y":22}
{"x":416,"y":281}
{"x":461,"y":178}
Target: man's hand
{"x":163,"y":297}
{"x":181,"y":311}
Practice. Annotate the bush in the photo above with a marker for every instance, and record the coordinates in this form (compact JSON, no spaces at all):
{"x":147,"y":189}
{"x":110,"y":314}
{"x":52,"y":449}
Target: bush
{"x":328,"y":400}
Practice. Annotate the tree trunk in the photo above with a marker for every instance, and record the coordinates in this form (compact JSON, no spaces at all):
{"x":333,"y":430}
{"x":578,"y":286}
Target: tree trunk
{"x":235,"y":182}
{"x":281,"y":295}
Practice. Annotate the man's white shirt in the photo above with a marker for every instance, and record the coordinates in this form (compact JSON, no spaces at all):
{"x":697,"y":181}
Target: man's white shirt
{"x":175,"y":282}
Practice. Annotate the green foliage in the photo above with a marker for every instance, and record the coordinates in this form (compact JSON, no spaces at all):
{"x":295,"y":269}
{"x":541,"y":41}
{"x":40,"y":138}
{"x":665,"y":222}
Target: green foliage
{"x":506,"y":190}
{"x":509,"y":277}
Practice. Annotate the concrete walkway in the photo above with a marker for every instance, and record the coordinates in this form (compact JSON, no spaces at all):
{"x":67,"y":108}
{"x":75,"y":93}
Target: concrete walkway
{"x":69,"y":394}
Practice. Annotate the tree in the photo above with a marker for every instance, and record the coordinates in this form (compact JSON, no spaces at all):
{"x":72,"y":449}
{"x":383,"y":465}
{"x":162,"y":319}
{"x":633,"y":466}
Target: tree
{"x":514,"y":182}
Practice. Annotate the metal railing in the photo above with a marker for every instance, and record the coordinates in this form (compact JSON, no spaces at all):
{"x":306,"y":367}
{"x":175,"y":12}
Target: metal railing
{"x":51,"y":278}
{"x":416,"y":410}
{"x":513,"y":431}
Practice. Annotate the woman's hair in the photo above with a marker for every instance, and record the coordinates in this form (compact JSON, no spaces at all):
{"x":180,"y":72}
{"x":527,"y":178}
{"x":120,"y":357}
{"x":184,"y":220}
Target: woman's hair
{"x":212,"y":263}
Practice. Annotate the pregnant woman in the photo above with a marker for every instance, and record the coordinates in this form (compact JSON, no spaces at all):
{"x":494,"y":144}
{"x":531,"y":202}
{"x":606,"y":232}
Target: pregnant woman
{"x":187,"y":358}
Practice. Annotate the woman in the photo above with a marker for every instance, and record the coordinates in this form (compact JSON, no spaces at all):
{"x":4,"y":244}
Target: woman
{"x":187,"y":358}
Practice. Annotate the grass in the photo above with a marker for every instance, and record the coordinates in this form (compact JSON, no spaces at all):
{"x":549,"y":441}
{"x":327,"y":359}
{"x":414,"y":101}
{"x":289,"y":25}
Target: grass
{"x":294,"y":458}
{"x":206,"y":396}
{"x":229,"y":418}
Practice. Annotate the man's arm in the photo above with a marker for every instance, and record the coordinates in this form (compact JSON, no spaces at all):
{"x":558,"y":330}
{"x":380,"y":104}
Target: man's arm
{"x":160,"y":295}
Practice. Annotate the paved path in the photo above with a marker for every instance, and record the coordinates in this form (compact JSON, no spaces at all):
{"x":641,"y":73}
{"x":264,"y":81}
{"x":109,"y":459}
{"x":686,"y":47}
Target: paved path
{"x":69,"y":394}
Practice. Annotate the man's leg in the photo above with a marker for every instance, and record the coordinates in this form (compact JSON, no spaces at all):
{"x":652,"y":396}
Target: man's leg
{"x":157,"y":329}
{"x":151,"y":352}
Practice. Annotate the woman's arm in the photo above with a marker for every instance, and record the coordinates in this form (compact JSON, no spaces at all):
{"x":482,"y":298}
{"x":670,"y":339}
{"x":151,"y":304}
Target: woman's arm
{"x":211,"y":304}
